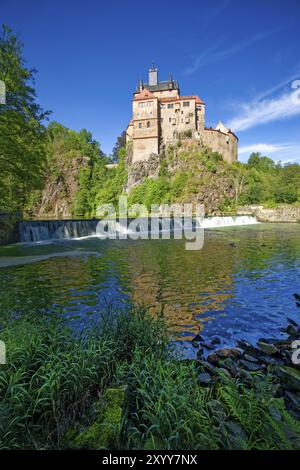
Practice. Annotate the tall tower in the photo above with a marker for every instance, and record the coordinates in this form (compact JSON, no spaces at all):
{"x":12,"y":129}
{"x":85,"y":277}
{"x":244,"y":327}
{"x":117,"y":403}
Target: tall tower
{"x":153,"y":76}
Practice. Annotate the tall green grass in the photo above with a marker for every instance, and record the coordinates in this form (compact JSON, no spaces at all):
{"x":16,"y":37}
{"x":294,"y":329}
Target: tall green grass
{"x":54,"y":379}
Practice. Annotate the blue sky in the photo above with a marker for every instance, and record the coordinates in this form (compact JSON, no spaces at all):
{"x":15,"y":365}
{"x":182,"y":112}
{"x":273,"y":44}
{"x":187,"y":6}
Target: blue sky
{"x":240,"y":56}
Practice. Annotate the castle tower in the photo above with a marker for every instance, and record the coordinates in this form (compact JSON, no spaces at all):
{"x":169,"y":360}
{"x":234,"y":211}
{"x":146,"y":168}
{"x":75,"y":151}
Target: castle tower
{"x":161,"y":116}
{"x":153,"y":76}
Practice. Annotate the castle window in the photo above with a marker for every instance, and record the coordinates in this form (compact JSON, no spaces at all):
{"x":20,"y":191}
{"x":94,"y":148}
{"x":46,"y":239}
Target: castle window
{"x":170,"y":119}
{"x":140,"y":125}
{"x":162,"y":106}
{"x":186,"y":103}
{"x":170,"y":105}
{"x":148,"y":124}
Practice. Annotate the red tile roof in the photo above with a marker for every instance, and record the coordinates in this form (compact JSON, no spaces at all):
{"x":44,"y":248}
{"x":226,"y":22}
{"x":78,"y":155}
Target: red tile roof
{"x":143,"y":95}
{"x":181,"y":98}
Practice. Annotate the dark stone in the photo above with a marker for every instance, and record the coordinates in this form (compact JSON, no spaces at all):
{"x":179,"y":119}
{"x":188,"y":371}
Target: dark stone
{"x":198,"y":338}
{"x":290,"y":378}
{"x":231,"y":366}
{"x":204,"y":378}
{"x":250,"y":358}
{"x":235,"y":433}
{"x":245,"y":376}
{"x":207,"y":366}
{"x":213,"y":358}
{"x":216,"y":340}
{"x":292,"y":322}
{"x":251,"y":366}
{"x":228,"y":352}
{"x":200,"y":352}
{"x":293,"y":398}
{"x":277,"y":391}
{"x":266,"y":347}
{"x":232,"y":244}
{"x":208,"y":346}
{"x":292,"y":330}
{"x":216,"y":409}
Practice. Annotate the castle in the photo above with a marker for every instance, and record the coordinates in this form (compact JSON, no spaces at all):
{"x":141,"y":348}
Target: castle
{"x":161,"y":116}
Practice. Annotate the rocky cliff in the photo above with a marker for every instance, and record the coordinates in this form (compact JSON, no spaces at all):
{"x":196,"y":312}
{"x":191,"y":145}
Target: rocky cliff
{"x":56,"y":200}
{"x":188,"y":172}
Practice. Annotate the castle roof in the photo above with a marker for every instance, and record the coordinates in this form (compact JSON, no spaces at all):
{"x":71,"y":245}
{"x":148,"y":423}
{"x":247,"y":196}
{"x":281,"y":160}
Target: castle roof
{"x":229,"y":131}
{"x":163,"y":86}
{"x":181,"y":98}
{"x":143,"y":95}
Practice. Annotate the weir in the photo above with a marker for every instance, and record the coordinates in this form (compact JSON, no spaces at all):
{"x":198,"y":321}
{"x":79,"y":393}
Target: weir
{"x":42,"y":230}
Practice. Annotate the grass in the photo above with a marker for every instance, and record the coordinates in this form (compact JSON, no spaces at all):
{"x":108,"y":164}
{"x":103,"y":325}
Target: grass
{"x":54,"y":383}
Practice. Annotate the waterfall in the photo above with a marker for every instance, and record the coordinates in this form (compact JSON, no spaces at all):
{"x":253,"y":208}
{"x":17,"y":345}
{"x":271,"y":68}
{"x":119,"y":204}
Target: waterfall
{"x":35,"y":231}
{"x":39,"y":230}
{"x":228,"y":221}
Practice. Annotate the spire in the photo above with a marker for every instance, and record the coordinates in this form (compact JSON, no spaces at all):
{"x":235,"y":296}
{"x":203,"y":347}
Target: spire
{"x":140,"y":85}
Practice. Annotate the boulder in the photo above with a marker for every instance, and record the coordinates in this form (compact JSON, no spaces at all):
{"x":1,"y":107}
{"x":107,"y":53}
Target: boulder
{"x":204,"y":378}
{"x":290,"y":378}
{"x":267,"y":348}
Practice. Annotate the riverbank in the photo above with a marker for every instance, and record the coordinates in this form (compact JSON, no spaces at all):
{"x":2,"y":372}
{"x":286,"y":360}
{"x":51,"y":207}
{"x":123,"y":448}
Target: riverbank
{"x":281,"y":214}
{"x":123,"y":386}
{"x":8,"y":227}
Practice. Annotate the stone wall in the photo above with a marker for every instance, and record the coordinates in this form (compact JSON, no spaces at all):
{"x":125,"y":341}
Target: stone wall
{"x":277,"y":214}
{"x":225,"y":144}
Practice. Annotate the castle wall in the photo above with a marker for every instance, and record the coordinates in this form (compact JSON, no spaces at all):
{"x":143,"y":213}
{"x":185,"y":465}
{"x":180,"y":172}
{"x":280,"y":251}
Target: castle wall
{"x":161,"y":116}
{"x":177,"y":119}
{"x":225,"y":144}
{"x":166,"y":94}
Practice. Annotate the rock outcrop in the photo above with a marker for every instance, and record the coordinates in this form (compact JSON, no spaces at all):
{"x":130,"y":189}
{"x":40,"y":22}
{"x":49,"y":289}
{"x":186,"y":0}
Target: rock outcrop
{"x":59,"y":192}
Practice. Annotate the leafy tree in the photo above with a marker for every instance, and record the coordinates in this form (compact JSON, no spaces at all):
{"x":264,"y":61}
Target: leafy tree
{"x":121,"y":143}
{"x":22,"y":134}
{"x":257,"y":161}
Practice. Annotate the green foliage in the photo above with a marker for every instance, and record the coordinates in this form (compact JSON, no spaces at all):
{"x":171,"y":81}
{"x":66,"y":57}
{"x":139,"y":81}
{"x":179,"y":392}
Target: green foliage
{"x":59,"y":390}
{"x":22,"y":134}
{"x":113,"y":185}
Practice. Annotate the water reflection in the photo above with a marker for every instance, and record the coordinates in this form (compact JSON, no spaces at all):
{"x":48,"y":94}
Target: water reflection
{"x":240,"y":284}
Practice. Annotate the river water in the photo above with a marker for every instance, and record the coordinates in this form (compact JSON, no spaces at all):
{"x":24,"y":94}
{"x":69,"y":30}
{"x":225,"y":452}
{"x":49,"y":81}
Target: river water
{"x":240,"y":285}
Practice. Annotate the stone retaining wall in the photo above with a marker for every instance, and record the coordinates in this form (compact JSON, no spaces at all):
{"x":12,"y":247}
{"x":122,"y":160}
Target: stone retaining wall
{"x":277,"y":214}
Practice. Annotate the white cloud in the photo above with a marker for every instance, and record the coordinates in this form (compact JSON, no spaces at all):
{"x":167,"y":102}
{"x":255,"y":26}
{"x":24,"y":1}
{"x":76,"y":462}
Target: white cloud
{"x":267,"y":110}
{"x":215,"y":53}
{"x":285,"y":153}
{"x":264,"y":148}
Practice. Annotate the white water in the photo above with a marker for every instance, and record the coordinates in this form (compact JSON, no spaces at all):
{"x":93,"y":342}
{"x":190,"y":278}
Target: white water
{"x":228,"y":221}
{"x":37,"y":231}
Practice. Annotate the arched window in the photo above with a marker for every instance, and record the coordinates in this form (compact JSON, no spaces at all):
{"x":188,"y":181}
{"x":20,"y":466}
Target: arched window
{"x":140,"y":125}
{"x":148,"y":124}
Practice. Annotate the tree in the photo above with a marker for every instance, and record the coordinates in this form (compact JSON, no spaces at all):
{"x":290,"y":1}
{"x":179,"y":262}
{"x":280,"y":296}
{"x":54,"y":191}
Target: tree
{"x":121,"y":142}
{"x":22,"y":133}
{"x":259,"y":162}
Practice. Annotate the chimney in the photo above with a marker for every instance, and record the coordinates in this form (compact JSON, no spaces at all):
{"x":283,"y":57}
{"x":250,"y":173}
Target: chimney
{"x":153,"y":76}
